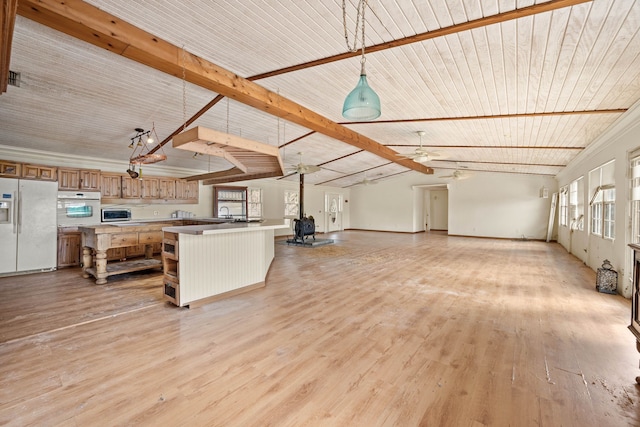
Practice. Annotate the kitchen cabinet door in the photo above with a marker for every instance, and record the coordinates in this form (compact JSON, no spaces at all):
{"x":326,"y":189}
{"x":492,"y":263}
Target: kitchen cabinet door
{"x":10,"y":169}
{"x":149,"y":188}
{"x":167,"y":188}
{"x":44,"y":173}
{"x":68,"y":179}
{"x":111,"y":186}
{"x":89,"y":180}
{"x":187,"y":190}
{"x":69,"y":249}
{"x":131,"y":188}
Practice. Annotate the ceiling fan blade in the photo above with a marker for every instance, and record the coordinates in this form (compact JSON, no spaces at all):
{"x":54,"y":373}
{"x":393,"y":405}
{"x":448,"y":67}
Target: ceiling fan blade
{"x":303,"y":169}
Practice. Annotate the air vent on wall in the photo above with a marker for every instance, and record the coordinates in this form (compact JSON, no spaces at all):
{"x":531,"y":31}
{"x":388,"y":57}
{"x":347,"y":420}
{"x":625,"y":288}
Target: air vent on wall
{"x":14,"y":79}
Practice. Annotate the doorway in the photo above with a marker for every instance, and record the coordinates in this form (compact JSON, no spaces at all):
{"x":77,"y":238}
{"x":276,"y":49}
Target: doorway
{"x":333,"y":212}
{"x":435,"y":209}
{"x":438,"y":210}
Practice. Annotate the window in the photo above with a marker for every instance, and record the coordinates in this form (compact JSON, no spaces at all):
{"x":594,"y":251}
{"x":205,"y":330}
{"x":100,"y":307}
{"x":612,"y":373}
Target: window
{"x":291,"y":204}
{"x":576,"y":208}
{"x":564,"y":206}
{"x":254,"y":202}
{"x":602,"y":203}
{"x":635,"y":199}
{"x":596,"y":216}
{"x":609,"y":197}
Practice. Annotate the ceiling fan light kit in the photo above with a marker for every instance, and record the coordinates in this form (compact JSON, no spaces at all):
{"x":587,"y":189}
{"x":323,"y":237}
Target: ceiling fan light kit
{"x":302,"y":168}
{"x":420,"y":154}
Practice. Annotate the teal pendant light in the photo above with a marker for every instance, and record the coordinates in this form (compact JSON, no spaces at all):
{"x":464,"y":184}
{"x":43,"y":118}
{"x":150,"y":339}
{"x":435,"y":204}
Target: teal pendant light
{"x":362,"y":104}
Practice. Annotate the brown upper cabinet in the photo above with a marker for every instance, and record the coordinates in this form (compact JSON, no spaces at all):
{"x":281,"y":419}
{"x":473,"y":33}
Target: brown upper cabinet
{"x":111,"y":186}
{"x":187,"y":190}
{"x":78,"y":179}
{"x":149,"y":188}
{"x":131,"y":188}
{"x":90,"y":179}
{"x":10,"y":169}
{"x":119,"y":188}
{"x":167,"y":188}
{"x":44,"y":173}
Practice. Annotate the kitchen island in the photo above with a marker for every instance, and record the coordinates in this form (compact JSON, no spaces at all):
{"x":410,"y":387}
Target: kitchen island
{"x":96,"y":240}
{"x":203,"y":263}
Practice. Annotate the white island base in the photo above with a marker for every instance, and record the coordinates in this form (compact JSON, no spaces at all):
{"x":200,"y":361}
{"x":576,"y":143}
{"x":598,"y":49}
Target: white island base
{"x":204,"y":263}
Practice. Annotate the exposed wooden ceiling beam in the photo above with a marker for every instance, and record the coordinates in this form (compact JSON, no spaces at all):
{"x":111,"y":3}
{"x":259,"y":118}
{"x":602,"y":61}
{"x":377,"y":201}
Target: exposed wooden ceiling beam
{"x":7,"y":22}
{"x":464,"y":26}
{"x":496,"y":116}
{"x":92,"y":25}
{"x":480,"y":162}
{"x":523,"y":147}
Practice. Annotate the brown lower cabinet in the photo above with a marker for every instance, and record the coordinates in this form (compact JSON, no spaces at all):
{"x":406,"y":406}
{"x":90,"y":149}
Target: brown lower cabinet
{"x":70,"y":250}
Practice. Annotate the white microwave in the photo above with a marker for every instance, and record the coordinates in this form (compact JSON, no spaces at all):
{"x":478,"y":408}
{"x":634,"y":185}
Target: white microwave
{"x":116,"y":214}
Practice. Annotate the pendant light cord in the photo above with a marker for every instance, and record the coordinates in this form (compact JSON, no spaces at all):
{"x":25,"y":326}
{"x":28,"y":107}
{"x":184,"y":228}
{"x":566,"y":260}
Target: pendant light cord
{"x":362,"y":5}
{"x":184,"y":90}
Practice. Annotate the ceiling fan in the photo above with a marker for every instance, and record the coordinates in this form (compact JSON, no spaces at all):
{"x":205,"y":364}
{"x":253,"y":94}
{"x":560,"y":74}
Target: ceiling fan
{"x":366,"y":181}
{"x":302,"y":168}
{"x":458,"y":174}
{"x":421,"y":154}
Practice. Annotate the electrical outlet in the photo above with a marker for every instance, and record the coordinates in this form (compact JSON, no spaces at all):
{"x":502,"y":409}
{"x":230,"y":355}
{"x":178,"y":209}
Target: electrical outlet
{"x":155,"y":213}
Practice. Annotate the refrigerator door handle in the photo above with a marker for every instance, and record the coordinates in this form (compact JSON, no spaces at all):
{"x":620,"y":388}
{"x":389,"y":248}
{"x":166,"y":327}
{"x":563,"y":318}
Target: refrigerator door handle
{"x":14,"y":220}
{"x":19,"y":216}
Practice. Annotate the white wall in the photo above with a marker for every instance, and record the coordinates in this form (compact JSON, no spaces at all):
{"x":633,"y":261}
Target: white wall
{"x":622,"y":138}
{"x":487,"y":205}
{"x":500,"y":205}
{"x":394,"y":204}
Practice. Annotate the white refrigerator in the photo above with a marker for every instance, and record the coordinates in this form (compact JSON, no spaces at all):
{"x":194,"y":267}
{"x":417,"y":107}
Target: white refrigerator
{"x":28,"y":229}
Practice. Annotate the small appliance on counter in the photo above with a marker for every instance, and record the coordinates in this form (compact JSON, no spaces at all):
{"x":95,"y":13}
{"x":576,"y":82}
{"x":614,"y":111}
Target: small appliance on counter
{"x":182,"y":214}
{"x":116,"y":214}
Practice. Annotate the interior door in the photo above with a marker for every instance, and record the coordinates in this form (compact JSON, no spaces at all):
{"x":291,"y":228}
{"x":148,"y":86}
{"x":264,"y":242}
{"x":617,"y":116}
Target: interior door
{"x":333,"y":212}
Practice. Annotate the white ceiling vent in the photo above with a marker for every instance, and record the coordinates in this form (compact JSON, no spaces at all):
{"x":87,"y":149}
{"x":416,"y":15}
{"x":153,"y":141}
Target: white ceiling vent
{"x":14,"y":79}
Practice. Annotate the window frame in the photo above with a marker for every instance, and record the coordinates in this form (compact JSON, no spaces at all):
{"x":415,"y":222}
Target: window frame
{"x":563,"y":211}
{"x":291,"y":204}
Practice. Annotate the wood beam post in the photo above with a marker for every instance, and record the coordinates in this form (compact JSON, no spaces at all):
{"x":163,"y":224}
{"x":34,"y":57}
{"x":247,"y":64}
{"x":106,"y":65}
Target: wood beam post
{"x":7,"y":22}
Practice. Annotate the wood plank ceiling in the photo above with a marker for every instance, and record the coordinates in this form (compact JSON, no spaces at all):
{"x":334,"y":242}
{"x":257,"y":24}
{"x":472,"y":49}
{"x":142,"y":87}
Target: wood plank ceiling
{"x":494,"y":87}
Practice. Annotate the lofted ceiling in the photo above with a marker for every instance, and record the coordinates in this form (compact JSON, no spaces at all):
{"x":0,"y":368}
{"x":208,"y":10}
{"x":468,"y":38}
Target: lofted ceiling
{"x":517,"y":86}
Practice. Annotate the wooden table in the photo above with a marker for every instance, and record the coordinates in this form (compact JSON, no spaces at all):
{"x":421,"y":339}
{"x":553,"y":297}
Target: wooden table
{"x":96,"y":240}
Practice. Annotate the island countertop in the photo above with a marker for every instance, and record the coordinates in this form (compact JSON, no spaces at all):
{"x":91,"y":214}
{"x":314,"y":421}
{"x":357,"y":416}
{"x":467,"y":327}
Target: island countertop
{"x":227,"y":227}
{"x":146,"y":225}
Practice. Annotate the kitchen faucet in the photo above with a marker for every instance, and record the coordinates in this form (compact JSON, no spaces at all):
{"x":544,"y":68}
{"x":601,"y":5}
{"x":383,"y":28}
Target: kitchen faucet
{"x":224,"y":207}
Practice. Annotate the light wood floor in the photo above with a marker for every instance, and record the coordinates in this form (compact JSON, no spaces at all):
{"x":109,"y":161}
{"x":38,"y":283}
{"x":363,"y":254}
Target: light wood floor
{"x":379,"y":329}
